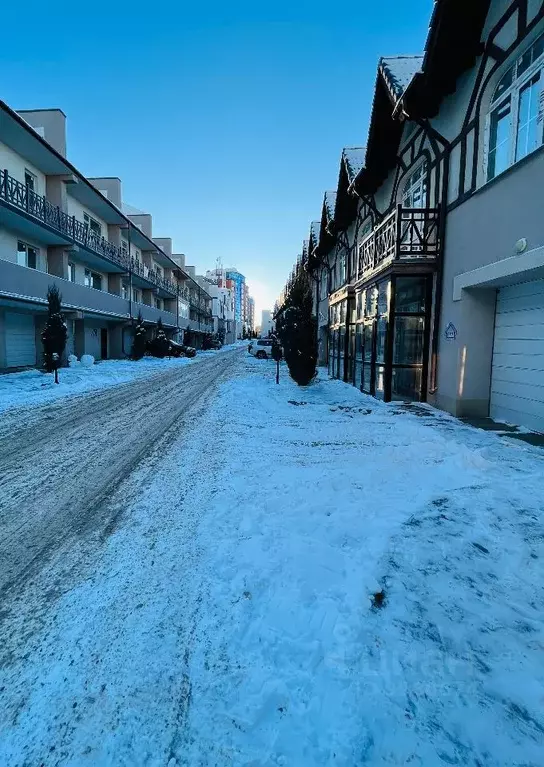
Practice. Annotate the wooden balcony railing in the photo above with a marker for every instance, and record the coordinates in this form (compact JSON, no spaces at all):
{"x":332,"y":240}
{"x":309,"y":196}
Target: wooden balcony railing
{"x":406,"y":234}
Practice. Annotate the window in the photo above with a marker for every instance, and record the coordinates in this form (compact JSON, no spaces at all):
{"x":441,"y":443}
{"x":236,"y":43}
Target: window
{"x":31,"y":181}
{"x":93,"y":225}
{"x":136,"y":295}
{"x":93,"y":280}
{"x":515,"y":129}
{"x":27,"y":255}
{"x":414,"y":194}
{"x":71,"y":271}
{"x":125,"y":291}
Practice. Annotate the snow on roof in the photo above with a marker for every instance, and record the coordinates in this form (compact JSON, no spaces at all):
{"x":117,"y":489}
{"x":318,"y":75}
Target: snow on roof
{"x":315,"y":227}
{"x":354,"y":159}
{"x":398,"y":72}
{"x":330,"y":204}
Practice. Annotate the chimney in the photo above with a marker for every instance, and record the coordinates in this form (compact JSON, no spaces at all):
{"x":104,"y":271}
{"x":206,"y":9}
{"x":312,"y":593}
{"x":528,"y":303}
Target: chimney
{"x":50,"y":124}
{"x":165,"y":243}
{"x":179,"y":258}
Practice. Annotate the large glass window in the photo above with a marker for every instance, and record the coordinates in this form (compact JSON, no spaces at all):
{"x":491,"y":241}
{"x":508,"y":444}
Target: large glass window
{"x":410,"y":294}
{"x":514,"y":128}
{"x":414,"y":193}
{"x":500,"y":140}
{"x":381,"y":335}
{"x":408,"y":340}
{"x":527,"y":139}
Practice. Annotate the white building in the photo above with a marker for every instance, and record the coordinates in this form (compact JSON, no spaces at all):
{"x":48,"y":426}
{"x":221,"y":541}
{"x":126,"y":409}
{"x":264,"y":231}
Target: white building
{"x":267,"y":323}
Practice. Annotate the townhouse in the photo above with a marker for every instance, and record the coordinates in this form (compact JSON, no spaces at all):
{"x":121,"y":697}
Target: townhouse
{"x":428,"y":259}
{"x":59,"y":228}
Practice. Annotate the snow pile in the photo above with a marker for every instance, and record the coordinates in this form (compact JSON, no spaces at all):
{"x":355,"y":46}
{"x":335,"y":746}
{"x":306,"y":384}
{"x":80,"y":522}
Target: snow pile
{"x":309,"y":577}
{"x":34,"y":387}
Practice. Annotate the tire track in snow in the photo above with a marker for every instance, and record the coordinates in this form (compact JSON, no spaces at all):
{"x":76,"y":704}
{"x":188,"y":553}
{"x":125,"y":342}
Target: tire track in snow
{"x":66,"y":458}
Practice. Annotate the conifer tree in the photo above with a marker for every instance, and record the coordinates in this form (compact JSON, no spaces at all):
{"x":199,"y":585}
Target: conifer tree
{"x":139,"y":343}
{"x":55,"y":333}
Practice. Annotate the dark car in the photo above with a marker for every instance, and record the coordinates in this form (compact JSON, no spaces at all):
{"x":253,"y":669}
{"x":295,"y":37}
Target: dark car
{"x":180,"y":350}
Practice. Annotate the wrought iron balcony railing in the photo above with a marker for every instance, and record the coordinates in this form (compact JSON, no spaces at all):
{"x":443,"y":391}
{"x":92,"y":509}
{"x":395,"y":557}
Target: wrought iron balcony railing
{"x":25,"y":199}
{"x":406,"y":234}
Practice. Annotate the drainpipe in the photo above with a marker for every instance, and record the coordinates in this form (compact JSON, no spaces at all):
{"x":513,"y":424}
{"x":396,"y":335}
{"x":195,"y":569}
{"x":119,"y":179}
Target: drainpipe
{"x":430,"y":131}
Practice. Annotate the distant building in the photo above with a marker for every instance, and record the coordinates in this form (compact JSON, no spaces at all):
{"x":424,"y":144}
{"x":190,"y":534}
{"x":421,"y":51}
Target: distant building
{"x":239,"y":295}
{"x":267,"y":323}
{"x":250,"y":314}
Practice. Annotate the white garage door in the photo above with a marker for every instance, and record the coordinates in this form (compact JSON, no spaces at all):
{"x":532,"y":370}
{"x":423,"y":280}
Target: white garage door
{"x":517,"y":380}
{"x":20,"y":340}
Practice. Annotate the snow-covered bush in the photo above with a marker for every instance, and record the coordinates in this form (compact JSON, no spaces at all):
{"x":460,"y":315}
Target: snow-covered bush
{"x":87,"y":360}
{"x":73,"y":361}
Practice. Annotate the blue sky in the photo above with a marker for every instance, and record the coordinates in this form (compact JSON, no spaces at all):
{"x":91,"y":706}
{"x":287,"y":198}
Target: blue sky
{"x":223,"y":120}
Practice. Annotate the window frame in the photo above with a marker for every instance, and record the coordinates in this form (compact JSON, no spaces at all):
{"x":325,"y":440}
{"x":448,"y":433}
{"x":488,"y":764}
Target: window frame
{"x":410,"y":185}
{"x":71,"y":271}
{"x":511,"y":96}
{"x":89,"y":274}
{"x":26,"y":247}
{"x":93,"y":225}
{"x":34,"y":186}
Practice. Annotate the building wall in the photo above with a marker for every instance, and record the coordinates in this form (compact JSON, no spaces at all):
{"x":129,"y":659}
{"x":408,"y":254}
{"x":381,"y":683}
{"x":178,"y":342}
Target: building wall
{"x":8,"y":248}
{"x":75,"y":208}
{"x":481,"y":231}
{"x":16,"y":165}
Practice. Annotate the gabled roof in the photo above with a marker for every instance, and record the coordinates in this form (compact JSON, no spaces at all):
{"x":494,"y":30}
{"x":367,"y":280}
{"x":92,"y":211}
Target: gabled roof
{"x":354,"y":159}
{"x":314,"y":234}
{"x":452,"y":46}
{"x":329,"y":203}
{"x":352,"y":162}
{"x":398,"y":72}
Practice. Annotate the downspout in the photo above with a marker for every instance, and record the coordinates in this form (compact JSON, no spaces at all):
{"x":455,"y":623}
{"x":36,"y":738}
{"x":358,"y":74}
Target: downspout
{"x":430,"y":131}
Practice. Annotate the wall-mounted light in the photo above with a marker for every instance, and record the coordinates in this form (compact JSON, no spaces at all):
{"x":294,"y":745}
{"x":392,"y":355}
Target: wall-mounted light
{"x":521,"y":245}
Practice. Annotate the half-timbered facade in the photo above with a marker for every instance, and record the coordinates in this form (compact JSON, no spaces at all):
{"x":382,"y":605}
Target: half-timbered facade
{"x":435,"y":249}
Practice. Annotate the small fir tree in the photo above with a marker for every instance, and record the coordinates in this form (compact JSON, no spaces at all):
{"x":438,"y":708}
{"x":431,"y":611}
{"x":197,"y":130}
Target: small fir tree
{"x":297,"y":330}
{"x":160,"y":346}
{"x":139,"y":342}
{"x":55,"y":333}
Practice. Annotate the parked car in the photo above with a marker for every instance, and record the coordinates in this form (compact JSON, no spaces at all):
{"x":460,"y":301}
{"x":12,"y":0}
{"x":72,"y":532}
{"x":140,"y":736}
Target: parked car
{"x":216,"y":344}
{"x":261,"y":348}
{"x":181,"y":350}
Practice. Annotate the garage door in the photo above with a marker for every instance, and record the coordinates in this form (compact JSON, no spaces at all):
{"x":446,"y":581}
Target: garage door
{"x":517,"y":380}
{"x":20,"y":340}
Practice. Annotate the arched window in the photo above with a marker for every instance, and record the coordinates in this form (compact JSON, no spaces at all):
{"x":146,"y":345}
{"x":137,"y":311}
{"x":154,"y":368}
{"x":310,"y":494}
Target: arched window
{"x":515,"y":124}
{"x":414,"y":191}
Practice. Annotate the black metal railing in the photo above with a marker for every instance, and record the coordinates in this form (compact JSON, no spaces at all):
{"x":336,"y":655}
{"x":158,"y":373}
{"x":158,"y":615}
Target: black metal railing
{"x":405,"y":234}
{"x":25,"y":199}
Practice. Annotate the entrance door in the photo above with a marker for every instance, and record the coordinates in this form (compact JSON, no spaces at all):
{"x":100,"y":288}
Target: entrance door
{"x":104,"y":343}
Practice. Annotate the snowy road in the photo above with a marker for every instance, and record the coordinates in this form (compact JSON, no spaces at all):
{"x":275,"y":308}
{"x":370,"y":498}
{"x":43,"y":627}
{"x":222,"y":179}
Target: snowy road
{"x":60,"y":461}
{"x":220,"y":610}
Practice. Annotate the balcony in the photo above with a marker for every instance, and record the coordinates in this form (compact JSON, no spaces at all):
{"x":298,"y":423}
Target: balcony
{"x":39,"y":208}
{"x":407,"y":235}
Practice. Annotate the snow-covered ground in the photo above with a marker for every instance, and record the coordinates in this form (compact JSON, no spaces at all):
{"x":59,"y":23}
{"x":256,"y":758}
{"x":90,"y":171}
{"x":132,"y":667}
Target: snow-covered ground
{"x":34,"y":387}
{"x":231,"y":617}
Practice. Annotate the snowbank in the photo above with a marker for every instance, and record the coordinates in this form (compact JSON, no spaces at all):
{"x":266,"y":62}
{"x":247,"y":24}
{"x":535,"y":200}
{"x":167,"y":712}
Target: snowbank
{"x":34,"y":387}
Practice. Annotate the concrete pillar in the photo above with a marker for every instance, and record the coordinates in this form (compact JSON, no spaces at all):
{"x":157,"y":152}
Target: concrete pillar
{"x":114,"y":284}
{"x":79,"y":337}
{"x":170,"y":305}
{"x":114,"y":234}
{"x":57,"y":261}
{"x":115,"y":338}
{"x":147,"y":296}
{"x":55,"y":191}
